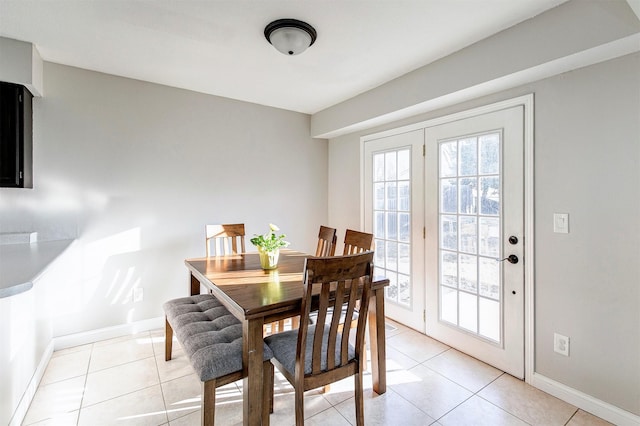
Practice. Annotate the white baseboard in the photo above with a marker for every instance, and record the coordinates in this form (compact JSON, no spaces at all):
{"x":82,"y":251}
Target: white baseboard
{"x":77,"y":339}
{"x":29,"y":393}
{"x":586,"y":402}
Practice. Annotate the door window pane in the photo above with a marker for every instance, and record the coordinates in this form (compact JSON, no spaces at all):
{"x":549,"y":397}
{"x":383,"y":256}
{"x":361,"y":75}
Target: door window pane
{"x":449,"y":305}
{"x":468,"y":234}
{"x":392,"y":197}
{"x":489,"y":154}
{"x":404,"y":291}
{"x":392,"y":226}
{"x":449,"y":232}
{"x":391,"y":256}
{"x":490,"y":195}
{"x":468,"y":195}
{"x":404,"y":164}
{"x":468,"y":273}
{"x":489,"y":278}
{"x":404,"y":196}
{"x":392,"y":290}
{"x":378,"y":196}
{"x":449,"y":269}
{"x":379,"y":254}
{"x":378,"y":223}
{"x":378,"y":167}
{"x":489,"y":232}
{"x":468,"y":311}
{"x":404,"y":259}
{"x":448,"y":159}
{"x":448,"y":195}
{"x":404,"y":227}
{"x":468,"y":162}
{"x":390,"y":166}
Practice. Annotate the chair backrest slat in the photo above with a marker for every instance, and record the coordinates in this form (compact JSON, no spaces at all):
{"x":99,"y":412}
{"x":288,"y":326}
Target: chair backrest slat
{"x":357,"y":242}
{"x":223,"y":240}
{"x":335,"y":322}
{"x":351,"y":308}
{"x":327,"y":240}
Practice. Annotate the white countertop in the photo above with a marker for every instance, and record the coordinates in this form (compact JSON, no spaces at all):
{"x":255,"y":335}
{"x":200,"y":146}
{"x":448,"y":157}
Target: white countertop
{"x":22,"y":264}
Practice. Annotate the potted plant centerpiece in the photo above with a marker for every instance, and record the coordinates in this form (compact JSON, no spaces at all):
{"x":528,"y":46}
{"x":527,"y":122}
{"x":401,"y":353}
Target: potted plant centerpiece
{"x":269,"y":246}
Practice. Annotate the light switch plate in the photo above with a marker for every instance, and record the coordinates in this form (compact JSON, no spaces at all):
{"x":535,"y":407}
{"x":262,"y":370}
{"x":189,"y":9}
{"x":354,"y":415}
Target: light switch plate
{"x":561,"y":223}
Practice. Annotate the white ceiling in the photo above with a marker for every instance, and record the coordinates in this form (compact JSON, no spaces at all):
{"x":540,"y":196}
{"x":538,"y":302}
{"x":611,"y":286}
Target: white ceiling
{"x":218,"y":47}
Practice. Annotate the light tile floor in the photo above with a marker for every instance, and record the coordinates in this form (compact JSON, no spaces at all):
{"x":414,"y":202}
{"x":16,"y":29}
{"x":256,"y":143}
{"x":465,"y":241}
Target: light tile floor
{"x":125,"y":381}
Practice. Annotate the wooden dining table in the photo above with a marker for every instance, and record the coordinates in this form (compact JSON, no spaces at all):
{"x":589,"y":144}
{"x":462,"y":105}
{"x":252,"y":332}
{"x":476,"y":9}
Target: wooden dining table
{"x":257,"y":297}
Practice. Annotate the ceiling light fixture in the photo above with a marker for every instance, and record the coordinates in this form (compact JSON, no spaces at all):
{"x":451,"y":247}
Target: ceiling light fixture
{"x":290,"y":36}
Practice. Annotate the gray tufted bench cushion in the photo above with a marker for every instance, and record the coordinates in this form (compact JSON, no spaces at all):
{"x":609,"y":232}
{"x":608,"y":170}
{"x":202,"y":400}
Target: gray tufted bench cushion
{"x":210,"y":335}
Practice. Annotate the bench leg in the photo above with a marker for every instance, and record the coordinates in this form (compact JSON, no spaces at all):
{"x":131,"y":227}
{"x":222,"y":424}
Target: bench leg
{"x":168,"y":340}
{"x":208,"y":407}
{"x":267,"y":392}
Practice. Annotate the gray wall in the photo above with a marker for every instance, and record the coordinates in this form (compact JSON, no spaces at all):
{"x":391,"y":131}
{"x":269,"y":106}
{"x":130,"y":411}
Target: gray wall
{"x":135,"y":170}
{"x":587,"y":164}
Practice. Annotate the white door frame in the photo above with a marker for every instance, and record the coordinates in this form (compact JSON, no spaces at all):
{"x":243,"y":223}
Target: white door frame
{"x":527,"y":101}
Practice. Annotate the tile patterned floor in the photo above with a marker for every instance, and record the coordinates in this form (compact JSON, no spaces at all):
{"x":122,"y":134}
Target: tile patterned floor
{"x":125,"y":381}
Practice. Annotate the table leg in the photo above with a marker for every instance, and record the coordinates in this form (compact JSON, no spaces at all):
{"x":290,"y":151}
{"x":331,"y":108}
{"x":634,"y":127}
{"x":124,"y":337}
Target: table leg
{"x":377,"y":336}
{"x":195,"y":286}
{"x":252,"y":358}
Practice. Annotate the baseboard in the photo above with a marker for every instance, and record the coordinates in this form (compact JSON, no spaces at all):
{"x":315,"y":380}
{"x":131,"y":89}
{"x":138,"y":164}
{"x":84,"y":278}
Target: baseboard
{"x":92,"y":336}
{"x":586,"y":402}
{"x":29,"y":393}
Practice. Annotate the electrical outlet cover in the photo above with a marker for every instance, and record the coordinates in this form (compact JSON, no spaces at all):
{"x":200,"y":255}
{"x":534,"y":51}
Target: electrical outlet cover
{"x":561,"y":344}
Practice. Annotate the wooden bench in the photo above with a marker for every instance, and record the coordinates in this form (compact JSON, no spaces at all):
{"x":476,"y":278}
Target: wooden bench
{"x":212,"y":339}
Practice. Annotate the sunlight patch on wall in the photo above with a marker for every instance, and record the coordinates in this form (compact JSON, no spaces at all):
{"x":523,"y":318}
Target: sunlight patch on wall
{"x":114,"y":262}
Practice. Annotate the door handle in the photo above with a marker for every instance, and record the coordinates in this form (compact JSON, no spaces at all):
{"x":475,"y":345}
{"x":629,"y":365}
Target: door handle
{"x":512,"y":258}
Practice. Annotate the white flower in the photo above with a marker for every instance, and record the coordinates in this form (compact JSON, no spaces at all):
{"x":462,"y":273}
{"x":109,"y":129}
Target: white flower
{"x":273,"y":227}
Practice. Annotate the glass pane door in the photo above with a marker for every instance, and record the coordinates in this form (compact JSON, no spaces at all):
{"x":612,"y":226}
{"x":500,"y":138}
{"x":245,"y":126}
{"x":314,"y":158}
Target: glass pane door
{"x":474,"y":202}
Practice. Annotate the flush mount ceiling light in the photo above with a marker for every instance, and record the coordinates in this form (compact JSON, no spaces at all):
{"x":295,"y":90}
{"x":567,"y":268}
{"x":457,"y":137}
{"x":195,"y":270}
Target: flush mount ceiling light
{"x":290,"y":36}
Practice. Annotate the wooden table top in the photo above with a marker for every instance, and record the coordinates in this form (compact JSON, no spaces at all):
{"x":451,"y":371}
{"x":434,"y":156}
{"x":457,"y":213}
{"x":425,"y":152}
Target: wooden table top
{"x":241,"y":281}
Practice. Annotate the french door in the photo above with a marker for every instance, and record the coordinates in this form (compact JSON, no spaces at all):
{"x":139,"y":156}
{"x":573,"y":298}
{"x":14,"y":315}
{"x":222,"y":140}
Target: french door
{"x":474,"y":222}
{"x":445,"y":202}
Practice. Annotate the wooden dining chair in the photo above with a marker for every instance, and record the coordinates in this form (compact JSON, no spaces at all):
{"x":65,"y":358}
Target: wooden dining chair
{"x":327,"y":240}
{"x":317,"y":354}
{"x":357,"y":242}
{"x":225,"y":239}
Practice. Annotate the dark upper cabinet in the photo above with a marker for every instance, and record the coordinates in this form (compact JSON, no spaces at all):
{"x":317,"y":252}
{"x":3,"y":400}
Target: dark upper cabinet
{"x":15,"y":136}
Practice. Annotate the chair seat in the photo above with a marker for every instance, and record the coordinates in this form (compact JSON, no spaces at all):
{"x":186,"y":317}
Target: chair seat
{"x":283,"y":347}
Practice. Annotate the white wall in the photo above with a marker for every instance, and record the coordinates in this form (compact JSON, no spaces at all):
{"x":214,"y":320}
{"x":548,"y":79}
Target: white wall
{"x":587,"y":153}
{"x":135,"y":170}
